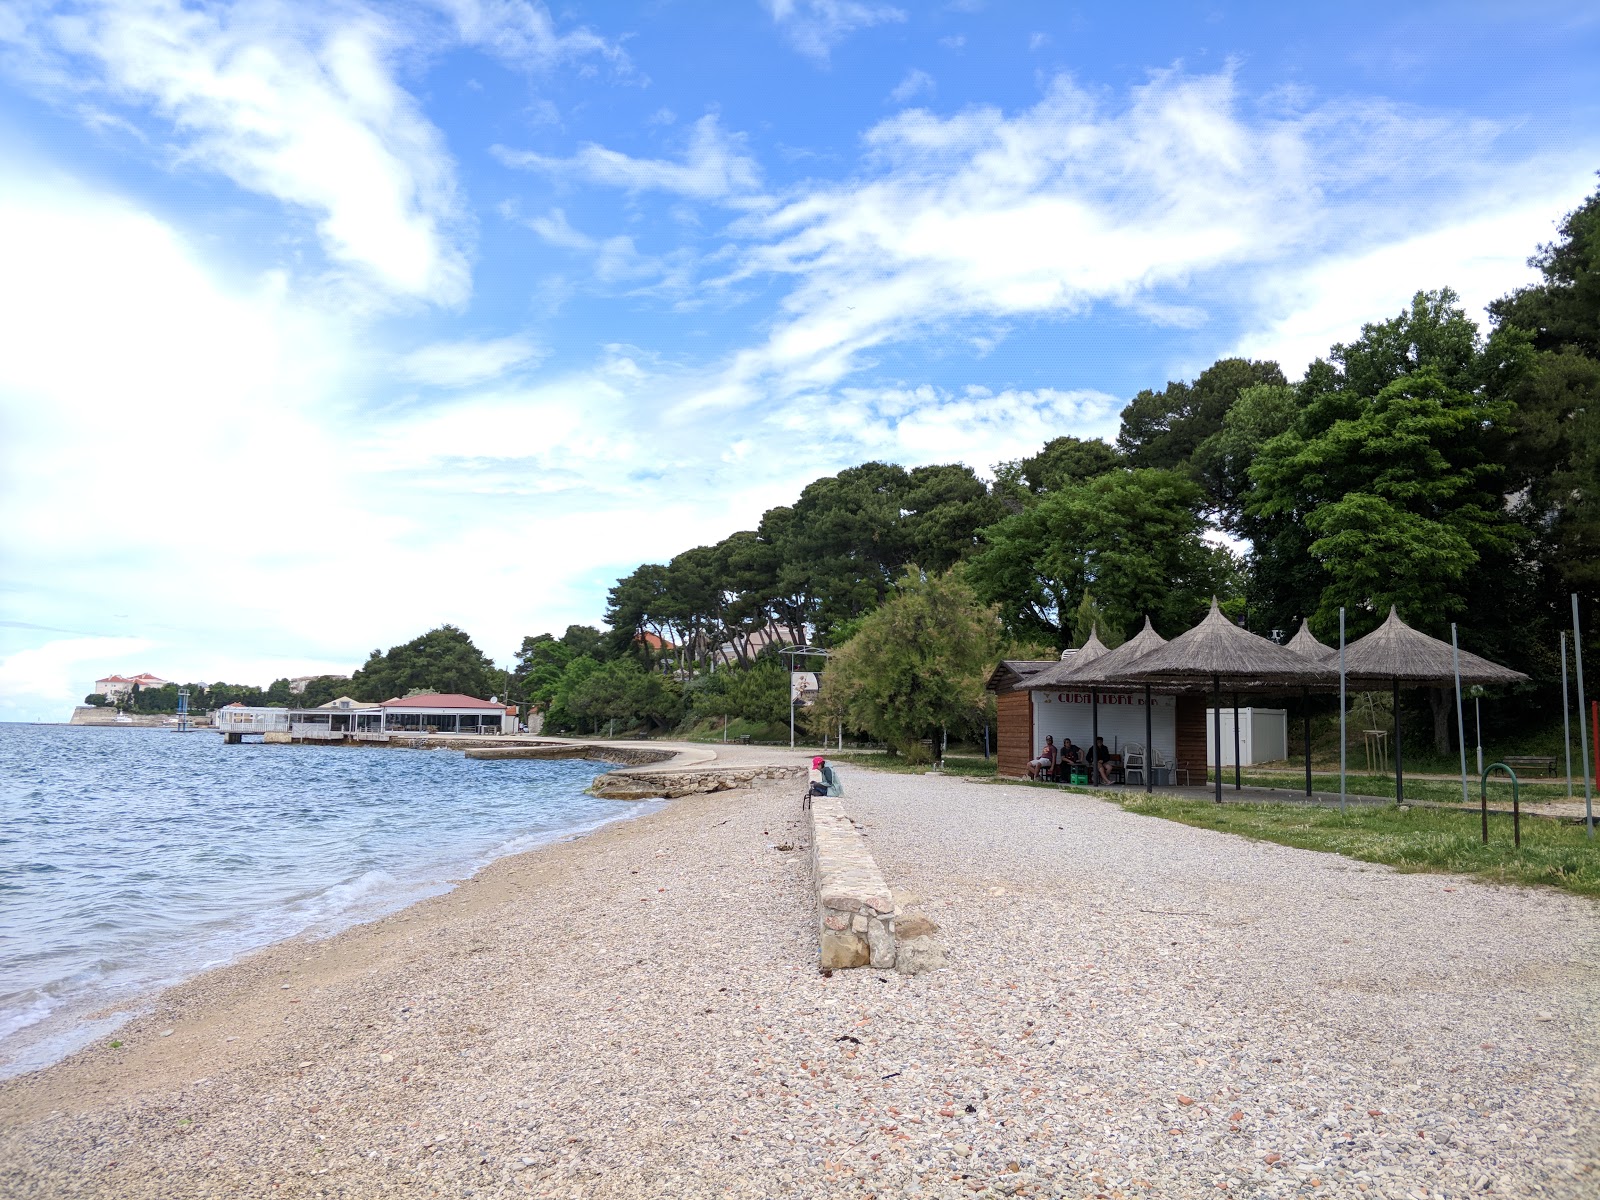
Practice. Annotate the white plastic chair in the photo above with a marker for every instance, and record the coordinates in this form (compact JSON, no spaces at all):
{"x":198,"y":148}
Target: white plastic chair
{"x":1132,"y":762}
{"x":1164,"y":763}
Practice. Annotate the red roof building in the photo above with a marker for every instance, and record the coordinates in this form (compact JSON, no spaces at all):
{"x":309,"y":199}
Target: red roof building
{"x":448,"y":712}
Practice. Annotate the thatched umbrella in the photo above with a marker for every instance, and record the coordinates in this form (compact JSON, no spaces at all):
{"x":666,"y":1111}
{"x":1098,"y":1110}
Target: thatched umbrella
{"x":1108,"y":667}
{"x":1400,"y":654}
{"x":1066,"y":673}
{"x":1305,"y":644}
{"x":1217,"y":648}
{"x":1072,"y":661}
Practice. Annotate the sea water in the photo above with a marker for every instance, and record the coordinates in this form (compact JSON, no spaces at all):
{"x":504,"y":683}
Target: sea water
{"x":133,"y":858}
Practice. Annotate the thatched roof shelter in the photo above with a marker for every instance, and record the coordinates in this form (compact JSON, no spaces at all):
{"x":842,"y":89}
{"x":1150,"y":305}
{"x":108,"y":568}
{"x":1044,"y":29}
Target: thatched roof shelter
{"x":1107,"y":666}
{"x":1218,"y":649}
{"x":1395,"y":651}
{"x":1066,"y":671}
{"x":1012,"y":672}
{"x":1305,"y":644}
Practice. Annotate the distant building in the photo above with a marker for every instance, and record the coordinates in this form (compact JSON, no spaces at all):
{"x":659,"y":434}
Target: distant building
{"x":120,"y":687}
{"x":347,"y":718}
{"x":297,"y":685}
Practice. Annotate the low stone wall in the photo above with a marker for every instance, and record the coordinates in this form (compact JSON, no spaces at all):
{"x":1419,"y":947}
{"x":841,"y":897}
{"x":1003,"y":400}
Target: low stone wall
{"x":87,"y":714}
{"x":635,"y":784}
{"x":861,"y":921}
{"x":643,"y":755}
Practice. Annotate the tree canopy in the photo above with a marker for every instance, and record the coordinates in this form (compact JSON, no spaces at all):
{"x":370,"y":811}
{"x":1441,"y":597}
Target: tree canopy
{"x":441,"y":660}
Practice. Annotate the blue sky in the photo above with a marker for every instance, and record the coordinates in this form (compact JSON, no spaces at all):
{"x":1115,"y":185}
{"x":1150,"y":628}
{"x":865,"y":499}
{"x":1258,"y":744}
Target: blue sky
{"x":324,"y":323}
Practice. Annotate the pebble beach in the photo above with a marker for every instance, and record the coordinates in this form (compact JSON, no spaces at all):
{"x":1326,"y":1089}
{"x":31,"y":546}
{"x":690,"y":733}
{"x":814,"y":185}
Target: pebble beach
{"x":1131,"y":1008}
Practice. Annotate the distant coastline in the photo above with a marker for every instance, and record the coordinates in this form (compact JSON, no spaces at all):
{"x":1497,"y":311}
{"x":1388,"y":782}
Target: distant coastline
{"x":88,"y":714}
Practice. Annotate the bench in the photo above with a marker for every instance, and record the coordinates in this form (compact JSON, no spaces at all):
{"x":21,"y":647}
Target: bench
{"x":1530,"y":762}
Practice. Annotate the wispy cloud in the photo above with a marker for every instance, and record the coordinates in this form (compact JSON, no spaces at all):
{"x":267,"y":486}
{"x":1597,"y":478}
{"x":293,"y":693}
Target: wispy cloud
{"x":1074,"y":203}
{"x":462,"y":364}
{"x":815,"y":27}
{"x":524,"y":34}
{"x":915,"y":83}
{"x":715,"y":166}
{"x":298,"y":104}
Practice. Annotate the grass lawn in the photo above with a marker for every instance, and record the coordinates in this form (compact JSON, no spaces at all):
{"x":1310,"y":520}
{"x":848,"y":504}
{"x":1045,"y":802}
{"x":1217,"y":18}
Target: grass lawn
{"x":1438,"y":791}
{"x":1419,"y":839}
{"x":974,"y":766}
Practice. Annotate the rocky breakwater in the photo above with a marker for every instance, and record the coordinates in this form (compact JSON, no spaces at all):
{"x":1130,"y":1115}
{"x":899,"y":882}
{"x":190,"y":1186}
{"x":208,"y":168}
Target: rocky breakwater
{"x":678,"y":771}
{"x":861,"y":921}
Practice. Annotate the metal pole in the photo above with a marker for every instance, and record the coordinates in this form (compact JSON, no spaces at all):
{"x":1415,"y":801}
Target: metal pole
{"x":1305,"y":705}
{"x":1094,"y":735}
{"x":1477,"y":720}
{"x":1342,"y":739}
{"x":1149,"y":750}
{"x":1461,"y":725}
{"x":1399,"y":771}
{"x":1583,"y":744}
{"x":1216,"y":713}
{"x":1236,"y":741}
{"x":1566,"y":715}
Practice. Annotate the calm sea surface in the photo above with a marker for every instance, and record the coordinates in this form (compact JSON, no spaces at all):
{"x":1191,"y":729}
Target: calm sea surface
{"x":132,"y":858}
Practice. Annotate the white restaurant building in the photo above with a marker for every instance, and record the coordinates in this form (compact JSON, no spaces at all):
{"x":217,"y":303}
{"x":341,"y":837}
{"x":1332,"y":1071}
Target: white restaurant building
{"x":347,"y":719}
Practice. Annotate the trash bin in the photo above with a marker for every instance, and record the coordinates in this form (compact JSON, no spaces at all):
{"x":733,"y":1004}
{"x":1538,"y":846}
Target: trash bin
{"x":1161,"y":776}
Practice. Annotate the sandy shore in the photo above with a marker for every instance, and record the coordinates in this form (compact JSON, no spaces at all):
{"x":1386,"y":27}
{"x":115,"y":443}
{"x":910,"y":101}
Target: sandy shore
{"x":1133,"y":1007}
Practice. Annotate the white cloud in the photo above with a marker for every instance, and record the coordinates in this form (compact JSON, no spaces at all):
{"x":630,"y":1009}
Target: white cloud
{"x":815,"y":27}
{"x":1038,"y":41}
{"x":1175,"y":206}
{"x":298,"y":104}
{"x":38,"y":683}
{"x":460,"y":364}
{"x":715,"y":166}
{"x":524,"y":34}
{"x":915,"y":83}
{"x":1482,"y":255}
{"x":616,"y":258}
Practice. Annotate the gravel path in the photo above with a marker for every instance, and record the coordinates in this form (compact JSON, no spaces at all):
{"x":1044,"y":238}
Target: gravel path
{"x":1134,"y":1008}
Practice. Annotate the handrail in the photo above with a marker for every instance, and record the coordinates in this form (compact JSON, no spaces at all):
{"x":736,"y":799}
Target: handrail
{"x":1516,"y":808}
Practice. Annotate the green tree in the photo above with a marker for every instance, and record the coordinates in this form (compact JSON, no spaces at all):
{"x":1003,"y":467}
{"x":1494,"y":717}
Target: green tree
{"x":917,"y":665}
{"x":1063,"y":462}
{"x":1089,"y":618}
{"x":1132,"y":538}
{"x":1164,"y":428}
{"x":542,"y":660}
{"x":1398,"y":500}
{"x":1562,"y":312}
{"x":1554,"y":456}
{"x":441,"y":660}
{"x":623,"y":691}
{"x":1222,"y":461}
{"x":758,"y":692}
{"x":97,"y":699}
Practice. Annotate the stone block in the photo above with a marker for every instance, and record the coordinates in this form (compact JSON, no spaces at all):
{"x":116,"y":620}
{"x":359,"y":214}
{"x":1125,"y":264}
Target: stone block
{"x":913,"y":956}
{"x":836,"y":920}
{"x":843,"y":950}
{"x":881,"y":949}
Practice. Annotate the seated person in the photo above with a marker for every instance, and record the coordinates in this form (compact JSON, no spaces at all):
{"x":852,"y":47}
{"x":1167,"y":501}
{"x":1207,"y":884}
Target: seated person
{"x":1046,"y":762}
{"x":1099,"y":759}
{"x":1069,"y":752}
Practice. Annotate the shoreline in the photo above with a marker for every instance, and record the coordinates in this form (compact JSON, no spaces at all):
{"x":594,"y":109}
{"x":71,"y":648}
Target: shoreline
{"x":1130,"y":1004}
{"x":83,"y":1025}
